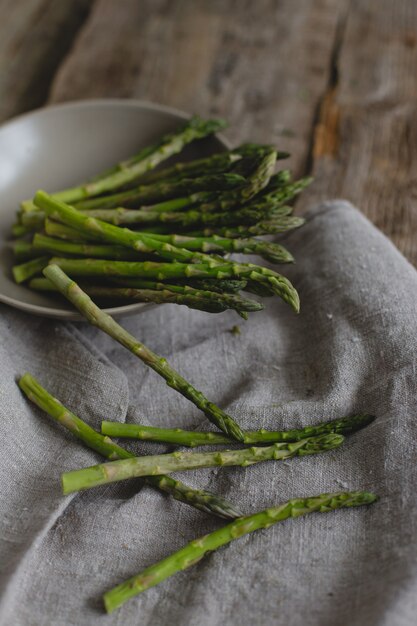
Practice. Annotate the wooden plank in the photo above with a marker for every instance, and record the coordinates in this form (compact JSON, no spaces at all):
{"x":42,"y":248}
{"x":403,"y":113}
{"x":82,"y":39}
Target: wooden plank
{"x":35,"y":35}
{"x":262,"y":65}
{"x":365,"y":142}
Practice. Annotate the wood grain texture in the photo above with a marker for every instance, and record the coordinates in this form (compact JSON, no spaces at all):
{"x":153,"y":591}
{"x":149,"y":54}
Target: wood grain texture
{"x":365,"y":139}
{"x":332,"y":81}
{"x":262,"y":65}
{"x":35,"y":35}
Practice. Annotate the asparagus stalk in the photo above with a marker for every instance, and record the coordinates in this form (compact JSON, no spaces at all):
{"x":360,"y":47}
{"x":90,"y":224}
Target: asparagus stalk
{"x":107,"y":324}
{"x":192,"y":439}
{"x":23,"y":272}
{"x":128,"y":171}
{"x":156,"y":192}
{"x":43,"y":243}
{"x":62,"y":231}
{"x":198,"y":548}
{"x":271,"y":211}
{"x":211,"y":285}
{"x":200,"y":499}
{"x":269,"y":227}
{"x":189,"y":219}
{"x":115,"y":471}
{"x":199,"y":167}
{"x":162,"y":293}
{"x":220,"y":286}
{"x":202,"y":301}
{"x":270,"y":251}
{"x":274,"y":223}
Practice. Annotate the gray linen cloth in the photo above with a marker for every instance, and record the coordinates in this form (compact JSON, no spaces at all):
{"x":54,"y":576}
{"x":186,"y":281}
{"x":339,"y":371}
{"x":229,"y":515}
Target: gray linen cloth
{"x":352,"y":348}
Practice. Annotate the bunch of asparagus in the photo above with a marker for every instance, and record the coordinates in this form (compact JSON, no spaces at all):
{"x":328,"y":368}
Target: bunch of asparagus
{"x":155,"y":469}
{"x":136,"y":233}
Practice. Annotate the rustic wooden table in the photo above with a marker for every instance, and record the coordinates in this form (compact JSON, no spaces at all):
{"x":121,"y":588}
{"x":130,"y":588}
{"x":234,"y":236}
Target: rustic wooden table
{"x":332,"y":81}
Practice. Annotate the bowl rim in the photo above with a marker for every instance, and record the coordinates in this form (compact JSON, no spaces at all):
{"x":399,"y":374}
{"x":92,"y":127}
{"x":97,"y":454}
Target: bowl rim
{"x":126,"y":309}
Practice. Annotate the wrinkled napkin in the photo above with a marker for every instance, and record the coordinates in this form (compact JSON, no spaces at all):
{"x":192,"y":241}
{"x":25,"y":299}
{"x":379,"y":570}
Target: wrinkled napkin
{"x":351,"y":349}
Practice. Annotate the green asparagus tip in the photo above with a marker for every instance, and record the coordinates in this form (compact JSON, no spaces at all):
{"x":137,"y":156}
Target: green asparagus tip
{"x":208,"y":126}
{"x":354,"y":423}
{"x":363,"y":497}
{"x":322,"y":443}
{"x":195,"y":550}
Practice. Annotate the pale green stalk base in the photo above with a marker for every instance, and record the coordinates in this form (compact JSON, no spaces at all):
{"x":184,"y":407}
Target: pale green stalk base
{"x":198,"y":548}
{"x":23,"y":272}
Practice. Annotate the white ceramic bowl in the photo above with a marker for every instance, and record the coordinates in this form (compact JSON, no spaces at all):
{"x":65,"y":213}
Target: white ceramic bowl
{"x":60,"y":146}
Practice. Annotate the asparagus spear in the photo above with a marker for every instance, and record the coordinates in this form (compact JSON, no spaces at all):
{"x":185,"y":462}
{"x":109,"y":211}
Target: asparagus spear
{"x":198,"y":548}
{"x":192,"y":439}
{"x":279,"y":223}
{"x":43,"y":243}
{"x":62,"y":231}
{"x":275,"y":221}
{"x":128,"y":171}
{"x":211,"y":285}
{"x":189,"y":219}
{"x":115,"y":471}
{"x":156,"y":192}
{"x":23,"y":272}
{"x":199,"y":167}
{"x":220,"y":286}
{"x":202,"y":301}
{"x":268,"y":227}
{"x":107,"y":324}
{"x":200,"y":499}
{"x":270,"y":251}
{"x":162,"y":293}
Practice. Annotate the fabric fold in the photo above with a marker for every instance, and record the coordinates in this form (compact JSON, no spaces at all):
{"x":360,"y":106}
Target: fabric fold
{"x":351,"y":349}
